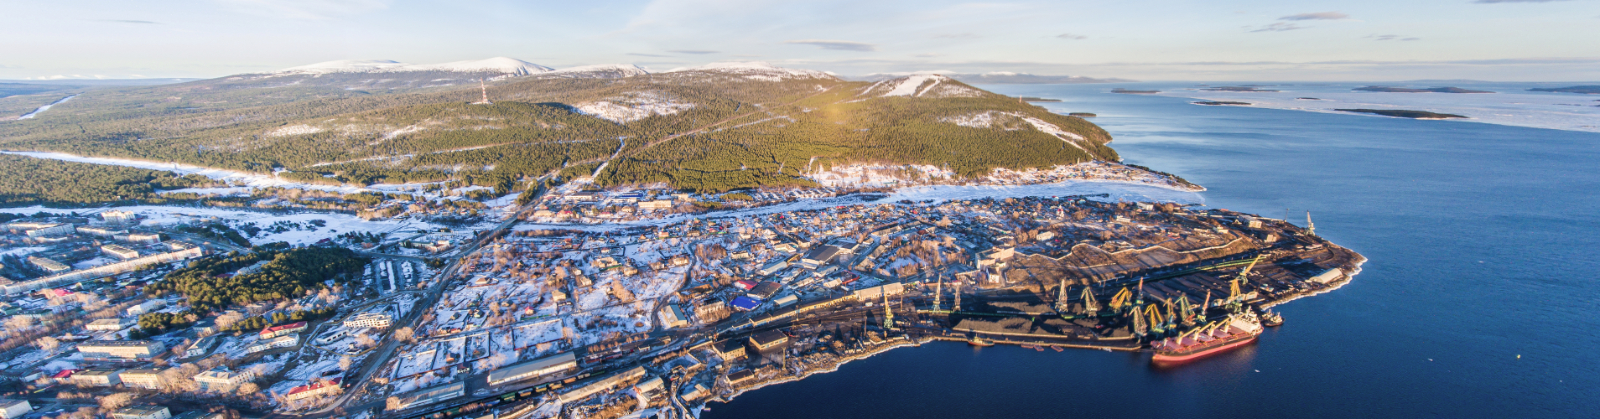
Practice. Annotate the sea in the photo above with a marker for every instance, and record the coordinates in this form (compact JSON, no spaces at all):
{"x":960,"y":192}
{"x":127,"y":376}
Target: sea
{"x":1480,"y":297}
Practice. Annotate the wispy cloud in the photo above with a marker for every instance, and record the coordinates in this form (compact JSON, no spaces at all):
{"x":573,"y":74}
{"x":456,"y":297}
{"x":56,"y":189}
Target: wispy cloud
{"x":1393,"y":38}
{"x":1316,"y":16}
{"x":136,"y":22}
{"x":308,"y":9}
{"x":963,"y":35}
{"x":648,"y":55}
{"x":693,"y":51}
{"x":1514,"y":1}
{"x":835,"y":45}
{"x":1279,"y":27}
{"x":1071,"y":36}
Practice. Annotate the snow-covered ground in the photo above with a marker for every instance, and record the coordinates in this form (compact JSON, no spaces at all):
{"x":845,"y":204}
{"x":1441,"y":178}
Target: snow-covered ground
{"x":36,"y":112}
{"x":337,"y":223}
{"x":756,"y":71}
{"x":633,"y":106}
{"x":251,"y":179}
{"x":501,"y":65}
{"x":1512,"y":104}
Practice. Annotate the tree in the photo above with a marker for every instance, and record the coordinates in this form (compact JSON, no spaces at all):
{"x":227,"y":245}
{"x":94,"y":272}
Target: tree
{"x":248,"y":390}
{"x":116,"y":401}
{"x":48,"y":344}
{"x":404,"y":334}
{"x":345,"y":362}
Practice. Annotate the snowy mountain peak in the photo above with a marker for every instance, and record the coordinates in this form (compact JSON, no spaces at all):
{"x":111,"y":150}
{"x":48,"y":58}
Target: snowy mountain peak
{"x":502,"y":65}
{"x":756,"y":70}
{"x":601,"y":71}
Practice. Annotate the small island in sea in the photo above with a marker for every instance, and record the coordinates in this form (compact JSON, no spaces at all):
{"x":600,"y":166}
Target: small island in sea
{"x":1387,"y":89}
{"x":1306,"y":98}
{"x":1588,"y":90}
{"x":1221,"y":103}
{"x":1250,"y":89}
{"x":1134,"y":92}
{"x":1401,"y":113}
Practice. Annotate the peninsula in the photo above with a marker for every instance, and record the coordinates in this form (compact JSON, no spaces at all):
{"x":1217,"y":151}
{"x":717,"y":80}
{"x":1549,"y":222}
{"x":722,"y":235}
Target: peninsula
{"x":1410,"y":90}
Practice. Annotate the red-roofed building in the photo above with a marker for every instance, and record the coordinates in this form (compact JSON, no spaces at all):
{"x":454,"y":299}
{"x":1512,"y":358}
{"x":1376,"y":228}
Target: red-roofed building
{"x":313,"y":390}
{"x":744,"y":285}
{"x":275,"y":331}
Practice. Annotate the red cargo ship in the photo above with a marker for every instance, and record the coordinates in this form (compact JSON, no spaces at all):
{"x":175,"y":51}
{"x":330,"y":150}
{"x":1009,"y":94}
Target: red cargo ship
{"x":1237,"y":330}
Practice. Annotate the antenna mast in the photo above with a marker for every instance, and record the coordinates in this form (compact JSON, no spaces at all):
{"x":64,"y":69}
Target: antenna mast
{"x":485,"y":91}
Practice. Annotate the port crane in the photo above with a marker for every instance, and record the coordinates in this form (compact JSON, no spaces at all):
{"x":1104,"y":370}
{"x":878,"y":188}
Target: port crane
{"x":1122,"y":299}
{"x":1157,"y":324}
{"x":1090,"y":305}
{"x":1235,"y":298}
{"x":1185,"y":311}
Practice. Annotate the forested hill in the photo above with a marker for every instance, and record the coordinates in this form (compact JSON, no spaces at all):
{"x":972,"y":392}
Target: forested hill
{"x":717,"y":127}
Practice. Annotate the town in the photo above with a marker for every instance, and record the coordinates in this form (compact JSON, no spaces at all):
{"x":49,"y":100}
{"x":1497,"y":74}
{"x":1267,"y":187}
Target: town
{"x":535,"y":318}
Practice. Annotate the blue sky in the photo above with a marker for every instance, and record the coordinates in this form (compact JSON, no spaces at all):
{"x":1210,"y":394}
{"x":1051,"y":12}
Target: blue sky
{"x":1139,"y":39}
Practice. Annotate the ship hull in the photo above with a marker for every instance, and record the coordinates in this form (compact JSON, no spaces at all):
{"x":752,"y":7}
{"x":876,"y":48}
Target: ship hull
{"x":1175,"y":357}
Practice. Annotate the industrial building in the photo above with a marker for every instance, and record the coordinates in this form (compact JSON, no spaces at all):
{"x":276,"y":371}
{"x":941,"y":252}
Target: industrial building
{"x":672,"y":317}
{"x":433,"y":395}
{"x":768,"y":340}
{"x":540,"y":367}
{"x":142,"y":412}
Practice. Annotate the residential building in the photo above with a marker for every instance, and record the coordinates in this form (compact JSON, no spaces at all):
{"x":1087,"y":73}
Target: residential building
{"x":711,"y":311}
{"x":144,"y":378}
{"x":111,"y":324}
{"x":729,"y":350}
{"x":200,"y":347}
{"x":96,"y":377}
{"x":366,"y":320}
{"x":275,"y":331}
{"x":120,"y":350}
{"x":313,"y":390}
{"x":145,"y":307}
{"x":43,"y":229}
{"x":142,"y":412}
{"x":141,"y":238}
{"x":13,"y":409}
{"x":222,"y":379}
{"x":101,"y":231}
{"x":278,"y":342}
{"x":118,"y":216}
{"x":120,"y":252}
{"x":48,"y":265}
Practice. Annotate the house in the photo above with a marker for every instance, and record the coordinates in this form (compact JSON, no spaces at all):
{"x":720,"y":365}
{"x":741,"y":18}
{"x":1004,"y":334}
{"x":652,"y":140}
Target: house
{"x":142,"y":412}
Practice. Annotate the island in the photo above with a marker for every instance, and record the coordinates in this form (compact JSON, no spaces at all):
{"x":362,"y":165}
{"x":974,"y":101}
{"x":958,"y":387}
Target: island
{"x":1387,"y":89}
{"x":1083,"y":114}
{"x":1134,"y":92}
{"x":1221,"y":103}
{"x":1306,"y":98}
{"x":1242,"y":89}
{"x":1588,"y":90}
{"x":1399,"y":113}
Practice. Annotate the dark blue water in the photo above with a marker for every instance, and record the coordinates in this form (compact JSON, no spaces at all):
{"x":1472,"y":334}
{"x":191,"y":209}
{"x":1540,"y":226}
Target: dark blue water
{"x":1482,"y":242}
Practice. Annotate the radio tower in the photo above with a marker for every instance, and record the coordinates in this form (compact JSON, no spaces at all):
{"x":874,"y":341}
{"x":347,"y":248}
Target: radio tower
{"x":485,"y":90}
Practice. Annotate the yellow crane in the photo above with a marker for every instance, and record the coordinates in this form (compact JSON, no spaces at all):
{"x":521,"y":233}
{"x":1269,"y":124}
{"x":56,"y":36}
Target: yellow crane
{"x":1121,"y":300}
{"x":1156,"y":322}
{"x":1235,"y":298}
{"x":1090,"y":305}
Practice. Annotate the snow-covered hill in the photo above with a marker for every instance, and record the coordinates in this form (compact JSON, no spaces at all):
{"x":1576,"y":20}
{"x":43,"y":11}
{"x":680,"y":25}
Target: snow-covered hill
{"x":599,"y":71}
{"x":920,"y":85}
{"x":500,"y":65}
{"x":755,"y":71}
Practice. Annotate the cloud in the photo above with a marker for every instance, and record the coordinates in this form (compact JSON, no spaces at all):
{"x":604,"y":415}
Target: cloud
{"x":1393,"y":38}
{"x":308,"y":9}
{"x":1514,"y":1}
{"x":927,"y":55}
{"x":963,"y":35}
{"x":1279,"y":27}
{"x":694,"y":51}
{"x":649,"y":55}
{"x":1071,"y":36}
{"x":137,"y":22}
{"x":1316,"y":16}
{"x":835,"y":45}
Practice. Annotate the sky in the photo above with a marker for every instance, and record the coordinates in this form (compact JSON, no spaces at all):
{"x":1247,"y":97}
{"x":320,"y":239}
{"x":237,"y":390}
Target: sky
{"x":1352,"y":40}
